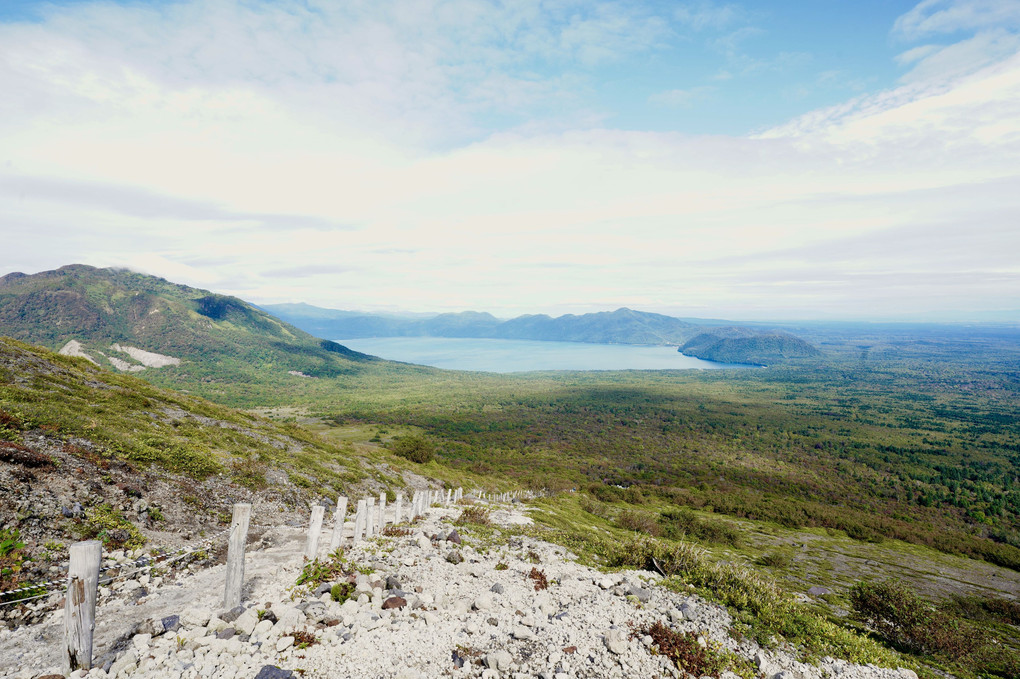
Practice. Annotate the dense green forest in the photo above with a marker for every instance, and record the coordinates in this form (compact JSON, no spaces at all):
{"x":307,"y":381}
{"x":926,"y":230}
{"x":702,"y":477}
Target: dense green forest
{"x":898,"y":444}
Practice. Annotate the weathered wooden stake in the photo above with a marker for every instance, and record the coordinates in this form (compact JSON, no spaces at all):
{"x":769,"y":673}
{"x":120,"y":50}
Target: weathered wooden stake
{"x":359,"y":521}
{"x":369,"y":517}
{"x":314,"y":529}
{"x":338,"y":523}
{"x":382,"y":512}
{"x":80,"y":604}
{"x":235,"y":555}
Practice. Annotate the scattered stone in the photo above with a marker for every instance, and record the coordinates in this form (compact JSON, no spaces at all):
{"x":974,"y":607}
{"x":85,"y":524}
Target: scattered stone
{"x":394,"y":602}
{"x":454,"y":557}
{"x":499,"y":661}
{"x":575,"y":629}
{"x":616,"y":641}
{"x":642,"y":594}
{"x":523,"y":633}
{"x":171,"y":623}
{"x":232,"y":614}
{"x":454,"y":537}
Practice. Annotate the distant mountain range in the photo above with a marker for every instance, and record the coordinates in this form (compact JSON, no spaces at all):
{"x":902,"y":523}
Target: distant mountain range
{"x":187,"y":337}
{"x":729,"y":344}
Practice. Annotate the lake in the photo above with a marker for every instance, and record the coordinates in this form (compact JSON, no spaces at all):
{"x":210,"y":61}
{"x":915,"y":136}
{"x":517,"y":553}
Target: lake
{"x":508,"y":356}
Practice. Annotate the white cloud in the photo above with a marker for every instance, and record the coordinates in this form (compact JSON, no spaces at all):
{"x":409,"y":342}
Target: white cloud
{"x":933,"y":17}
{"x":262,"y":149}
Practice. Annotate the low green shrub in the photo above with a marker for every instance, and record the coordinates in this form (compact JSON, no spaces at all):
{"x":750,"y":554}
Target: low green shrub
{"x":908,"y":622}
{"x":684,"y":524}
{"x":108,"y":525}
{"x":777,"y":559}
{"x":641,"y":522}
{"x":414,"y":448}
{"x":12,"y":556}
{"x":759,"y":605}
{"x":594,"y":507}
{"x":473,"y":514}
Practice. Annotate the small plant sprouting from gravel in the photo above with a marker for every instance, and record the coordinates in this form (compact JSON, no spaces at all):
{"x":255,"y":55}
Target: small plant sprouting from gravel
{"x":341,"y":591}
{"x":303,"y":639}
{"x":683,"y":649}
{"x":316,"y":572}
{"x":396,"y":531}
{"x":541,"y":581}
{"x":473,"y":514}
{"x":501,"y":566}
{"x":533,"y":556}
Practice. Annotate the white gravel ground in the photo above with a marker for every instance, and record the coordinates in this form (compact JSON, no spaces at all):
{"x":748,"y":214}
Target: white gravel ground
{"x":464,"y":619}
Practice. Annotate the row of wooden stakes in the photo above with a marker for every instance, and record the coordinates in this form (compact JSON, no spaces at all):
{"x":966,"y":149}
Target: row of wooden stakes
{"x":85,"y":558}
{"x":370,"y":518}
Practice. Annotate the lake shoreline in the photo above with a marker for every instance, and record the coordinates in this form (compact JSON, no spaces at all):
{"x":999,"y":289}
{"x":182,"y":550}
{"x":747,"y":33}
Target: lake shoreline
{"x":515,"y":356}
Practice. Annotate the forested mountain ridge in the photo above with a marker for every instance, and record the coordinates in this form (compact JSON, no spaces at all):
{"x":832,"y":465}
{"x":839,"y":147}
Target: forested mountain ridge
{"x":622,"y":326}
{"x":135,"y":322}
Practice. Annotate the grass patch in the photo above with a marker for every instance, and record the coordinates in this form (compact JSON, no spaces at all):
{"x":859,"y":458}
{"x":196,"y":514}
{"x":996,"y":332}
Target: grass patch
{"x":108,"y":525}
{"x":473,"y":515}
{"x":317,"y":572}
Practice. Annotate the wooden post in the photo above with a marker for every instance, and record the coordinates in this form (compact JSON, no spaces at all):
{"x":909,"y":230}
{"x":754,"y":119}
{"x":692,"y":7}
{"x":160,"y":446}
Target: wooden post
{"x":338,"y":523}
{"x":369,"y":517}
{"x":359,"y":521}
{"x":80,"y":604}
{"x":314,"y":529}
{"x":397,"y":506}
{"x":382,"y":512}
{"x":235,"y":555}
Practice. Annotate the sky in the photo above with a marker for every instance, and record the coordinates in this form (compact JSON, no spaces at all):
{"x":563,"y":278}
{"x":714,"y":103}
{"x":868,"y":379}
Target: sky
{"x":809,"y":159}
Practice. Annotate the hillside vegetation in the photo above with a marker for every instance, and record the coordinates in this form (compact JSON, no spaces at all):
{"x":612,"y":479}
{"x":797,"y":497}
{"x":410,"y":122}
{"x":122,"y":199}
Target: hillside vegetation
{"x":219,"y":340}
{"x":86,"y":452}
{"x":886,"y":449}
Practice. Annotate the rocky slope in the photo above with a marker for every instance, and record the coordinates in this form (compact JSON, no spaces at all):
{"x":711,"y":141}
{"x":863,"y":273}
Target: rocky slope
{"x":85,"y":452}
{"x":428,"y":603}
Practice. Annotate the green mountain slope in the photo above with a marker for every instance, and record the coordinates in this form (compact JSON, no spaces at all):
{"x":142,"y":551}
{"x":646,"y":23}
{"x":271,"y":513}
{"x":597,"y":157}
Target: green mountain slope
{"x":201,"y":338}
{"x":740,"y":345}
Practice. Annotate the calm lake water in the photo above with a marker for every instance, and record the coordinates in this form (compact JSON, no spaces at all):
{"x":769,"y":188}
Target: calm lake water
{"x":507,"y":356}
